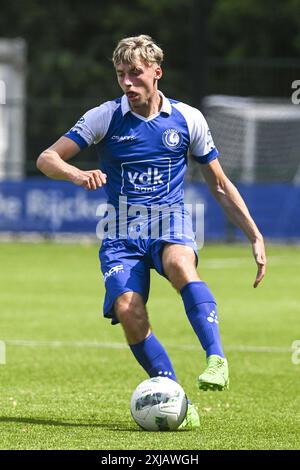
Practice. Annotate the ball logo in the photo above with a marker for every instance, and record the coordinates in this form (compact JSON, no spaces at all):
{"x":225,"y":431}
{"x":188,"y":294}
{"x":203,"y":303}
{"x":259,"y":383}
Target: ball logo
{"x":172,"y":139}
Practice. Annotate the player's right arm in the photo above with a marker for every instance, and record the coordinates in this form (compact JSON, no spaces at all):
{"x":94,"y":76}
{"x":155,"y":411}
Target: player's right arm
{"x":53,"y":163}
{"x":89,"y":129}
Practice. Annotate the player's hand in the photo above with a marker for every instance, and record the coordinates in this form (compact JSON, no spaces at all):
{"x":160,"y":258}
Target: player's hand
{"x":258,"y":248}
{"x":90,"y":180}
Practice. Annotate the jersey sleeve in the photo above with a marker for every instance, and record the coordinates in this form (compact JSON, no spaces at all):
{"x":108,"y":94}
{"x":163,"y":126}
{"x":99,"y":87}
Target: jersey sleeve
{"x":202,"y":146}
{"x":92,"y":127}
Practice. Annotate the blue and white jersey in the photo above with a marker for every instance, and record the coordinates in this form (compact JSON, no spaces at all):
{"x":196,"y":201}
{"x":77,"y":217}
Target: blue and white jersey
{"x":145,"y":159}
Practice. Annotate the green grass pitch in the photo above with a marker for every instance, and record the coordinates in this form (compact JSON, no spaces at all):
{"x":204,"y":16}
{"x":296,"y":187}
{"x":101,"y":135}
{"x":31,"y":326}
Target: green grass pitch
{"x":69,"y":385}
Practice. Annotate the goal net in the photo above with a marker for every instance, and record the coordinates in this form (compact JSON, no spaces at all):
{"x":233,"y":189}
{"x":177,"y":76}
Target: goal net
{"x":258,"y":139}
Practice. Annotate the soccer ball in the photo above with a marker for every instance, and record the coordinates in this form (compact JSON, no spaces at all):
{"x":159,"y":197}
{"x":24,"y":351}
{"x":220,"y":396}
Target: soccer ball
{"x":159,"y":404}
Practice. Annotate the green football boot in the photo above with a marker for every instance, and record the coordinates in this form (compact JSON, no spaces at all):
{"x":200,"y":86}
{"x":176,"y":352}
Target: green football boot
{"x":215,"y":376}
{"x":192,"y":419}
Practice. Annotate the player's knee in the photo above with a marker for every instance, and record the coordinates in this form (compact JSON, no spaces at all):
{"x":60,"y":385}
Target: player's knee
{"x":129,"y":306}
{"x":180,"y":271}
{"x":177,"y":265}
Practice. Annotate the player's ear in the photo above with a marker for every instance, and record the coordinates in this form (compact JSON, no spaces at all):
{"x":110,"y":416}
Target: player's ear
{"x":157,"y":72}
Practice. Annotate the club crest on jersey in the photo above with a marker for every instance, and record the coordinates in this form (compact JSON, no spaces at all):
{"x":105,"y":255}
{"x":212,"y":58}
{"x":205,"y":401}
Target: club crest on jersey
{"x":172,"y":139}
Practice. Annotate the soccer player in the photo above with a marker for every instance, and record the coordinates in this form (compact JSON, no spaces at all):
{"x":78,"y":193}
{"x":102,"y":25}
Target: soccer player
{"x":143,"y":140}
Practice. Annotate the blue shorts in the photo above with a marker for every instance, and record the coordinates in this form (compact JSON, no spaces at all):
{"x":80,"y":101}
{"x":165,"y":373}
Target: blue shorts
{"x":126,"y":264}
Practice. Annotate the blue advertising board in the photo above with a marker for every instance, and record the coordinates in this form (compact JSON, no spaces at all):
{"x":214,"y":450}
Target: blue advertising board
{"x":53,"y":207}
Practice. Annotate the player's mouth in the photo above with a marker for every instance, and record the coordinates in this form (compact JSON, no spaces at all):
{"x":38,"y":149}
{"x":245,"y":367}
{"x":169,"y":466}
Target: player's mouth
{"x":132,"y":96}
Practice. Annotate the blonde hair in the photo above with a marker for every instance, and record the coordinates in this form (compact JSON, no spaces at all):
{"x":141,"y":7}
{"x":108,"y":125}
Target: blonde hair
{"x":141,"y":47}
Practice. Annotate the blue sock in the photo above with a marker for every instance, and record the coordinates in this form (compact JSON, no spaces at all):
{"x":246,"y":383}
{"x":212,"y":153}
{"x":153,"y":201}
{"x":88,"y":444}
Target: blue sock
{"x":153,"y":358}
{"x":201,"y":309}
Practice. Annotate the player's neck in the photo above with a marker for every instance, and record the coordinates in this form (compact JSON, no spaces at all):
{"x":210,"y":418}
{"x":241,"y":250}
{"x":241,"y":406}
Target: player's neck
{"x":150,"y":107}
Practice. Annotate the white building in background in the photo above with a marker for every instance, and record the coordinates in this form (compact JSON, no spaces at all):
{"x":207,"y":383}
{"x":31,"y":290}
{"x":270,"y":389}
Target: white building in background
{"x":12,"y":108}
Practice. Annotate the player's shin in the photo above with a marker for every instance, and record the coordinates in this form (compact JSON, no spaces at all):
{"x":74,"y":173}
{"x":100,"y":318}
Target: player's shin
{"x":152,"y":356}
{"x":201,"y":310}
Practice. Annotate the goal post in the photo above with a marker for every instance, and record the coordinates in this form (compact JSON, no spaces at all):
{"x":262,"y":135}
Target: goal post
{"x":12,"y":108}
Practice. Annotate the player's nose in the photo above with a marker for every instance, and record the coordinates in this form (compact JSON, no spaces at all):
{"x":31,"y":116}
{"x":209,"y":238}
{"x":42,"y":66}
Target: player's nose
{"x":127,"y":81}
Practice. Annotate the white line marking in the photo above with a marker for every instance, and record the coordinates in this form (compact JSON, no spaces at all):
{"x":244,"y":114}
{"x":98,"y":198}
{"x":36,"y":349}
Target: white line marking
{"x":65,"y":344}
{"x":216,"y":263}
{"x":2,"y":352}
{"x":110,"y":345}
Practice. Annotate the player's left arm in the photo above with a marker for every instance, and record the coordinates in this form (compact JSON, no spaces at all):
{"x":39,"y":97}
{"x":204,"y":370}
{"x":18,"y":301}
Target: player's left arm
{"x":235,"y":208}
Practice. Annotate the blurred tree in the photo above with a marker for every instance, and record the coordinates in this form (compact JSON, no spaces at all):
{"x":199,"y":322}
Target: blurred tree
{"x":70,"y":42}
{"x":255,"y":28}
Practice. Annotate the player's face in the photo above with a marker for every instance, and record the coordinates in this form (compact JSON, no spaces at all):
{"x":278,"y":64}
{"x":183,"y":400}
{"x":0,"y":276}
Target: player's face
{"x":139,"y":82}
